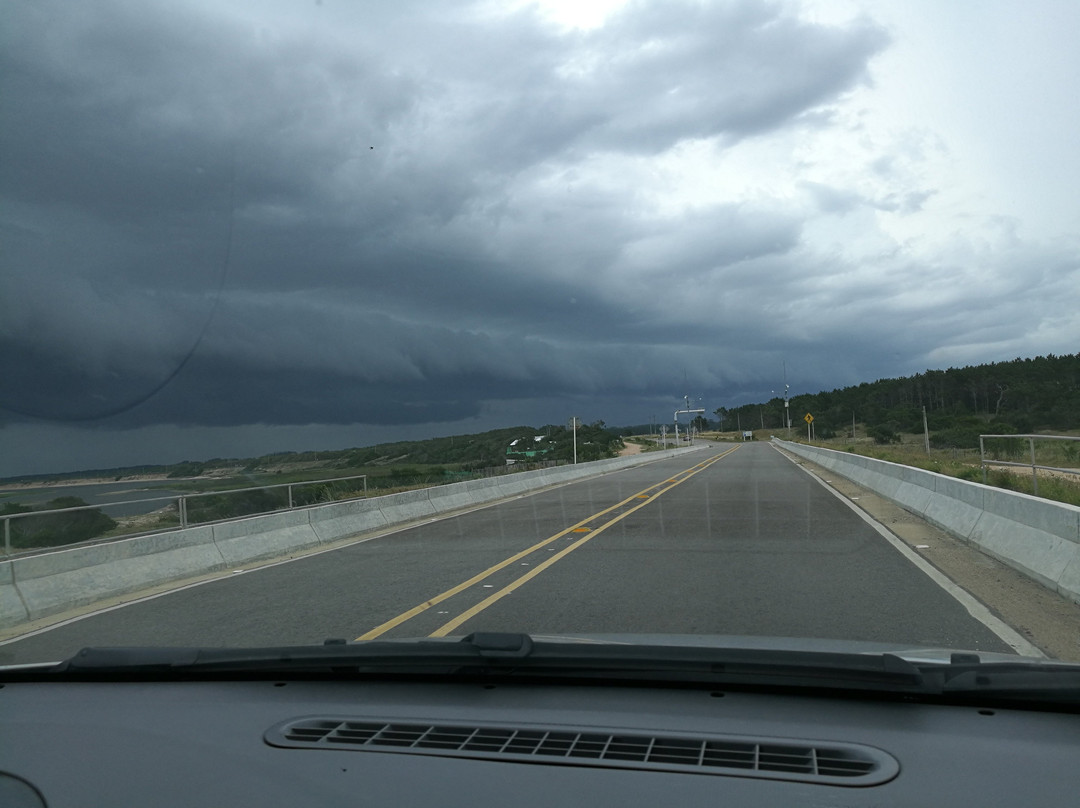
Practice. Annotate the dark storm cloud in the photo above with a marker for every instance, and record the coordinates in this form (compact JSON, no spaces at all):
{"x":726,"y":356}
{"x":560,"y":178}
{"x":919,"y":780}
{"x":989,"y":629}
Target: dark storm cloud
{"x":394,"y":216}
{"x":153,"y":157}
{"x":324,"y":366}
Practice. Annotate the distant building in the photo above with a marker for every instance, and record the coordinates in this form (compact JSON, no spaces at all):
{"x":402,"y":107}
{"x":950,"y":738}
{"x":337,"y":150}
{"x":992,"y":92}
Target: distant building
{"x":524,"y":450}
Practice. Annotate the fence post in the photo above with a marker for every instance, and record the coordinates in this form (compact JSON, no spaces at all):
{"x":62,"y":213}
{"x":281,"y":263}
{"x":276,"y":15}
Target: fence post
{"x":982,"y":458}
{"x":290,"y":496}
{"x":1034,"y":471}
{"x":7,"y":535}
{"x":182,"y":507}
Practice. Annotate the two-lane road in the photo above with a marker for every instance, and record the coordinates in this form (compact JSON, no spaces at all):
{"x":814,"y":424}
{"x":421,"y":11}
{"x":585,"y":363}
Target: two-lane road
{"x":731,"y":540}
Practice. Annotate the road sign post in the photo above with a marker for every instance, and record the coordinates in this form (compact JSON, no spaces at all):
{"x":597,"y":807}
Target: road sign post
{"x":809,"y":420}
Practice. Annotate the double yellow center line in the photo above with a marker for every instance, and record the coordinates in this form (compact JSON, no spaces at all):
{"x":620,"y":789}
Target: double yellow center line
{"x":588,"y":527}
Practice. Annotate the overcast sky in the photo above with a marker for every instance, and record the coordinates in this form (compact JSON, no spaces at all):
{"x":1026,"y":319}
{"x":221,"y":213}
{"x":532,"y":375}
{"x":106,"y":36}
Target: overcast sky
{"x":231,"y":228}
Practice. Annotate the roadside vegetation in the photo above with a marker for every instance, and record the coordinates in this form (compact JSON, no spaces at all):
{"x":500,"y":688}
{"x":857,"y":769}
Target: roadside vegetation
{"x":400,"y":463}
{"x":1019,"y":396}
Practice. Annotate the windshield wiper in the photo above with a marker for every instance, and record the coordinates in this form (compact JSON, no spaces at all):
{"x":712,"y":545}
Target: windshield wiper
{"x":520,"y":656}
{"x":513,"y":654}
{"x":333,"y":654}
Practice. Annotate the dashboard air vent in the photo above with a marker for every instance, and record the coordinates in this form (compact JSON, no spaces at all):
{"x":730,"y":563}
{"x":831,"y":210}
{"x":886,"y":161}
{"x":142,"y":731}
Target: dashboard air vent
{"x":774,"y":758}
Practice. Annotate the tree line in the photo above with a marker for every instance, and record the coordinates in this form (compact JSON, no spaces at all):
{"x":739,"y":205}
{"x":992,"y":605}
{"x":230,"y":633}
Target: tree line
{"x":1017,"y":396}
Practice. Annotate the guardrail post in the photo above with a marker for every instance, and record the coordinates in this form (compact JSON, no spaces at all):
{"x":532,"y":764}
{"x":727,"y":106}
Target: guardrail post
{"x":290,"y":496}
{"x":182,"y":508}
{"x":982,"y":458}
{"x":7,"y":535}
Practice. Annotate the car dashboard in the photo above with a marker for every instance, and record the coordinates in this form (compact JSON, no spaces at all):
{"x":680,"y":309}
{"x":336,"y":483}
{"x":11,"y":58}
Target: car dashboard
{"x":387,"y":742}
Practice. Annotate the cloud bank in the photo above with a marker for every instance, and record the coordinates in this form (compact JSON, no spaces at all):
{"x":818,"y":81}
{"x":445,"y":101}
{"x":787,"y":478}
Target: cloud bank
{"x":419,"y":213}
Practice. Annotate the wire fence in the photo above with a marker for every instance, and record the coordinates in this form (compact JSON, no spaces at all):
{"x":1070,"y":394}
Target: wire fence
{"x":1013,"y":447}
{"x":57,"y":527}
{"x":35,"y":530}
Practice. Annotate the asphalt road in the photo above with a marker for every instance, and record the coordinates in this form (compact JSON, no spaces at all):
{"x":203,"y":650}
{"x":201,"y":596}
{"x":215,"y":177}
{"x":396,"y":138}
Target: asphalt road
{"x":732,"y":540}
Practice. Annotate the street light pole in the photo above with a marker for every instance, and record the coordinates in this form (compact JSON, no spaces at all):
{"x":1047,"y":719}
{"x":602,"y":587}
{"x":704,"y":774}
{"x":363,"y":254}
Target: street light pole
{"x":573,"y":426}
{"x":688,"y":411}
{"x":787,"y":412}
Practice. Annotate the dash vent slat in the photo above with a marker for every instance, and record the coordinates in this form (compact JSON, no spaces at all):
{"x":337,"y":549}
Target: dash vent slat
{"x":805,"y":761}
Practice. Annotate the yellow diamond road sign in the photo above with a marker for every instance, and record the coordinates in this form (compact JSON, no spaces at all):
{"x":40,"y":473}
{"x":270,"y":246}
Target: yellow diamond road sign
{"x":808,"y":418}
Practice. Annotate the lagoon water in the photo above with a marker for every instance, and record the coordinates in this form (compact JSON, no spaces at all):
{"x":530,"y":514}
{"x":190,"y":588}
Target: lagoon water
{"x":134,"y":493}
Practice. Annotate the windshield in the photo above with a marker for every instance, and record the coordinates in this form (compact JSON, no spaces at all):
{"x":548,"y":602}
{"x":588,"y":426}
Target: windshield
{"x":746,"y":321}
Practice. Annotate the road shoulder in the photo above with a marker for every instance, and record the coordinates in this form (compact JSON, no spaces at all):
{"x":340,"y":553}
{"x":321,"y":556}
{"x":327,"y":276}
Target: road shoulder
{"x":1048,"y":620}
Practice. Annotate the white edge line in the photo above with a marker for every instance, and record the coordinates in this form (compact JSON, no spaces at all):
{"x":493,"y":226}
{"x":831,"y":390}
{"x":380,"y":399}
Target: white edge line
{"x":973,"y":605}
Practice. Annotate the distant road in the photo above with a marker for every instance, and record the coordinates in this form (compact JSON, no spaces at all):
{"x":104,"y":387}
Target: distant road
{"x":733,"y":540}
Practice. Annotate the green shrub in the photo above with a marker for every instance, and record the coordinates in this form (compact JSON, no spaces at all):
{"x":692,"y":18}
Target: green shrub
{"x":186,"y":469}
{"x":57,"y":529}
{"x":883,"y":433}
{"x":957,"y":437}
{"x":239,"y":503}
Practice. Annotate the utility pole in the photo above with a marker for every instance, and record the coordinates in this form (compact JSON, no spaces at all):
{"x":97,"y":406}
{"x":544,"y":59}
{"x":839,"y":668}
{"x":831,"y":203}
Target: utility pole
{"x":926,"y":431}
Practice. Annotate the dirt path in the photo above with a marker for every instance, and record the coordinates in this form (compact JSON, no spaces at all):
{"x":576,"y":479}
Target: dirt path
{"x":1026,"y":470}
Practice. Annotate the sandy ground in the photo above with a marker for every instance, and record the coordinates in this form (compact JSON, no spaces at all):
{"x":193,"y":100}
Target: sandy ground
{"x":630,"y":449}
{"x":81,"y":481}
{"x":1061,"y":475}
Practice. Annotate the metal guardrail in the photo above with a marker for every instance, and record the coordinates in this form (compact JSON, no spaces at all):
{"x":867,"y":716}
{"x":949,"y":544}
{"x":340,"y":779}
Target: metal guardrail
{"x":181,"y":501}
{"x":1035,"y":467}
